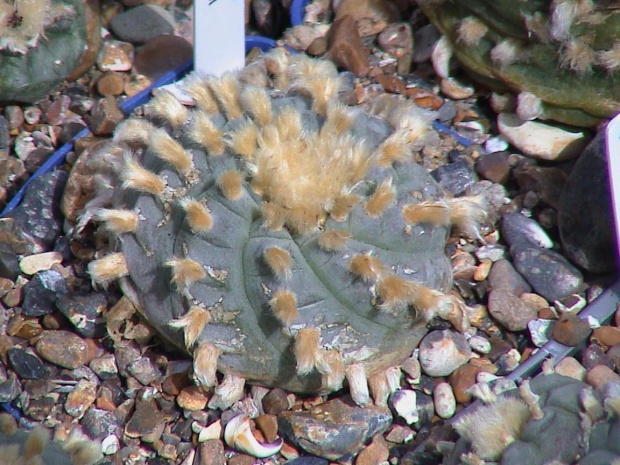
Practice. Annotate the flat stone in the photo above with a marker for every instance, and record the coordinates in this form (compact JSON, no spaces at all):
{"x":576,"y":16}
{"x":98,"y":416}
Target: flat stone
{"x":81,"y":398}
{"x":38,"y":215}
{"x":334,"y":429}
{"x":40,"y":408}
{"x":161,"y":54}
{"x":400,"y":434}
{"x":10,"y":388}
{"x":63,"y":348}
{"x":510,"y":311}
{"x":346,"y":49}
{"x":540,"y":331}
{"x":540,"y":140}
{"x":41,"y":292}
{"x":504,"y":276}
{"x":111,"y":83}
{"x":26,"y":364}
{"x":404,"y":403}
{"x":442,"y":352}
{"x":461,"y":380}
{"x":585,"y":213}
{"x":302,"y":36}
{"x":570,"y":330}
{"x":594,"y":355}
{"x":396,"y":39}
{"x":142,"y":23}
{"x":549,"y":273}
{"x":147,"y":421}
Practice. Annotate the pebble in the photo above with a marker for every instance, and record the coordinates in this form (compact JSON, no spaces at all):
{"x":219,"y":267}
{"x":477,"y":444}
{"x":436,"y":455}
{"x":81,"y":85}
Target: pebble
{"x":192,"y":398}
{"x":496,"y":144}
{"x":455,"y":89}
{"x":210,"y":452}
{"x":14,"y":116}
{"x":144,"y":370}
{"x":540,"y":331}
{"x":518,"y":229}
{"x":424,"y":39}
{"x":81,"y":398}
{"x":503,"y":276}
{"x":110,"y":445}
{"x":275,"y":401}
{"x":161,"y":54}
{"x":213,"y":431}
{"x":345,"y":47}
{"x":268,"y":425}
{"x":396,"y":39}
{"x":606,"y":335}
{"x":375,"y":453}
{"x":115,"y":55}
{"x":540,"y":140}
{"x":111,"y":83}
{"x":302,"y":36}
{"x":404,"y":404}
{"x":461,"y":380}
{"x":442,"y":352}
{"x":400,"y":434}
{"x":57,"y":112}
{"x":10,"y":388}
{"x":544,"y":183}
{"x":493,"y":252}
{"x":549,"y":273}
{"x":142,"y":23}
{"x":39,"y":212}
{"x":585,"y":212}
{"x":105,"y":117}
{"x":570,"y":330}
{"x":510,"y":311}
{"x":445,"y":402}
{"x":569,"y":366}
{"x":594,"y":355}
{"x":480,"y":344}
{"x":147,"y":421}
{"x":600,"y":375}
{"x":494,"y":166}
{"x":63,"y":348}
{"x":84,"y":312}
{"x":371,"y":16}
{"x":41,"y":292}
{"x":26,"y":364}
{"x":104,"y":367}
{"x":455,"y":177}
{"x":334,"y":429}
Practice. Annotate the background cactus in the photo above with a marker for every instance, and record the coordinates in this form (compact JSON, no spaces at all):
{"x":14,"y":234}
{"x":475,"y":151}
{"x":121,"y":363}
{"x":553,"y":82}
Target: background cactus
{"x":553,"y":419}
{"x":277,"y":234}
{"x":41,"y":43}
{"x":561,"y":57}
{"x":36,"y":448}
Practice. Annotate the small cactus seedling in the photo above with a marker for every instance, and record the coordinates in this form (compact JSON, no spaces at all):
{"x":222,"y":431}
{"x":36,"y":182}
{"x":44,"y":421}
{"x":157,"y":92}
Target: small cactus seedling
{"x":540,"y":51}
{"x":276,"y":234}
{"x":551,"y":419}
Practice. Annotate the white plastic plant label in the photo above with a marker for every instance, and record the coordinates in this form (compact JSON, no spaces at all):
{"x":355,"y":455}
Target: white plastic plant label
{"x":219,"y":36}
{"x":612,"y":138}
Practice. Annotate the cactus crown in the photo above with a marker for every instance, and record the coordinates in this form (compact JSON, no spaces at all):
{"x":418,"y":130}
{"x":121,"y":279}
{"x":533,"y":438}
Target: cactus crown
{"x":276,"y":234}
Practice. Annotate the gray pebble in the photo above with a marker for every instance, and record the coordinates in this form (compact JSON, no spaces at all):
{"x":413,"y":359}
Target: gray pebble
{"x":98,"y":423}
{"x":26,"y":364}
{"x":455,"y":177}
{"x":442,"y":352}
{"x":504,"y":276}
{"x":144,"y":370}
{"x":142,"y":23}
{"x":540,"y":331}
{"x":41,"y":291}
{"x":510,"y":311}
{"x":84,"y":311}
{"x":549,"y":273}
{"x":10,"y":388}
{"x":104,"y":366}
{"x":521,"y":230}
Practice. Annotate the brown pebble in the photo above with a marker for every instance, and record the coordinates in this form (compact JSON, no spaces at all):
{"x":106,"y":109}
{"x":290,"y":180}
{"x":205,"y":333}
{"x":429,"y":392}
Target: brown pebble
{"x":370,"y":16}
{"x":275,"y":401}
{"x":82,"y":397}
{"x":607,"y":335}
{"x":600,"y":375}
{"x":396,"y":39}
{"x":346,"y":48}
{"x":494,"y":166}
{"x":105,"y":399}
{"x":14,"y":297}
{"x":161,"y":54}
{"x":174,"y":383}
{"x":192,"y":398}
{"x":318,"y":46}
{"x":377,"y":452}
{"x":570,"y":330}
{"x":106,"y":117}
{"x":569,"y":366}
{"x":111,"y":83}
{"x":241,"y":459}
{"x":210,"y":452}
{"x":268,"y":425}
{"x":63,"y":348}
{"x":24,"y":327}
{"x":482,"y":270}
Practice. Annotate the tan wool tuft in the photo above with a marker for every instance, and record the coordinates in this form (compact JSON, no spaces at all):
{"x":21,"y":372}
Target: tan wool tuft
{"x":166,"y":105}
{"x":382,"y":198}
{"x":136,"y":177}
{"x":118,"y":221}
{"x":36,"y":442}
{"x":192,"y":324}
{"x":197,"y":87}
{"x":256,"y":102}
{"x":283,"y":304}
{"x":471,"y":30}
{"x":171,"y":151}
{"x":506,"y":52}
{"x":307,"y":349}
{"x":108,"y":268}
{"x":244,"y":140}
{"x":610,"y":59}
{"x":204,"y":132}
{"x":578,"y":56}
{"x":396,"y":293}
{"x":433,"y":212}
{"x":185,"y":271}
{"x":333,"y":240}
{"x":205,"y":364}
{"x":231,"y":184}
{"x":226,"y":90}
{"x":133,"y":131}
{"x":279,"y":261}
{"x":198,"y":215}
{"x":366,"y":267}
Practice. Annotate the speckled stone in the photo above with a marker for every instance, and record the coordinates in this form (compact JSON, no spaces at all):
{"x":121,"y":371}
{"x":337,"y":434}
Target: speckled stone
{"x":442,"y":352}
{"x":63,"y":348}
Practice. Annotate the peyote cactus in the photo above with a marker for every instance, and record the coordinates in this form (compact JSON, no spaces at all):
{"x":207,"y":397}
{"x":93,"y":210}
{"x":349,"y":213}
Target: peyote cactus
{"x":41,"y":43}
{"x":276,"y":234}
{"x":551,"y":419}
{"x":561,"y":57}
{"x":18,"y":447}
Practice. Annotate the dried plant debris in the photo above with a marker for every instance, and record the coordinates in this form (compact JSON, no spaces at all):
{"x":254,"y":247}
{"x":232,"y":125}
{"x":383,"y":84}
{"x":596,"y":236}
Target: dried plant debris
{"x":277,"y":235}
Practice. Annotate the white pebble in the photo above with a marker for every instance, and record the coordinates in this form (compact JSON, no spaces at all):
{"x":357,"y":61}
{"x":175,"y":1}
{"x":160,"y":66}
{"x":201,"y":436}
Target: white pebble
{"x":445,"y":402}
{"x":480,"y":344}
{"x":32,"y":264}
{"x":496,"y":144}
{"x":110,"y":445}
{"x":539,"y":331}
{"x":213,"y":431}
{"x":404,"y":402}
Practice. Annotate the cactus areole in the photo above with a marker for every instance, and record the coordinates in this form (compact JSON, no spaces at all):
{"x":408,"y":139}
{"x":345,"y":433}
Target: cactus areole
{"x":275,"y":233}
